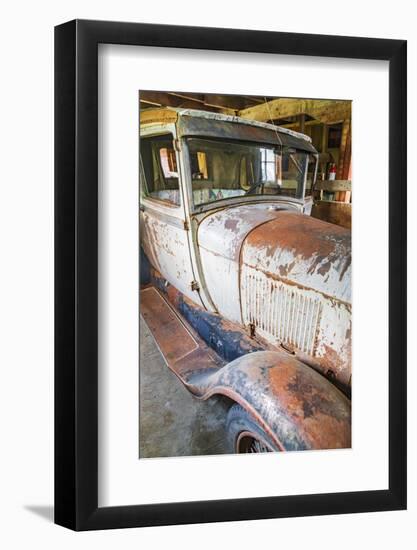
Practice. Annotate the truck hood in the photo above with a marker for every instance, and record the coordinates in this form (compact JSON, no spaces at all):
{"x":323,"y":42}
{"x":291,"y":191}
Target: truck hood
{"x":284,"y":245}
{"x":224,"y":231}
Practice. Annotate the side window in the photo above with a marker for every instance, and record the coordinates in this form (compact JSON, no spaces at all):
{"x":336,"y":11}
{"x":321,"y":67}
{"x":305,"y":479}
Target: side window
{"x":199,"y":169}
{"x":159,"y":169}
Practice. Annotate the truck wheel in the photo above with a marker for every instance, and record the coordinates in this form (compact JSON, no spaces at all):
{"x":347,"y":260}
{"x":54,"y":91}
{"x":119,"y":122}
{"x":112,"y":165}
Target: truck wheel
{"x":245,"y":435}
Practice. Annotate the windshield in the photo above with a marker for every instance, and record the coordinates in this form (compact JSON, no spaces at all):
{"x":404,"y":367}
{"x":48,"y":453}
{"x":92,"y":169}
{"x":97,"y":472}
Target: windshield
{"x":222,"y":169}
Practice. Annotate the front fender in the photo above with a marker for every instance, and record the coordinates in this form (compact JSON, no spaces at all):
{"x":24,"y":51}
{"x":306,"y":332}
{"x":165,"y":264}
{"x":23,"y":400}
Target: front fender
{"x":294,"y":404}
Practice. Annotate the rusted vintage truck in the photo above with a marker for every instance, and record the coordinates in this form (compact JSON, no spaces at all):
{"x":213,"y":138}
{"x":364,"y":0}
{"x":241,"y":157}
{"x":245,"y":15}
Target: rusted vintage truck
{"x":246,"y":294}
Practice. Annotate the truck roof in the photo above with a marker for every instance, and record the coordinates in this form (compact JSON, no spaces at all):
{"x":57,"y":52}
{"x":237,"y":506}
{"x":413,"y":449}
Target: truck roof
{"x":171,"y":114}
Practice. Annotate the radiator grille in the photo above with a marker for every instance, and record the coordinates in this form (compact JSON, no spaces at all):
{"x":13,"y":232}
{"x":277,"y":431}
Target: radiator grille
{"x":280,"y":312}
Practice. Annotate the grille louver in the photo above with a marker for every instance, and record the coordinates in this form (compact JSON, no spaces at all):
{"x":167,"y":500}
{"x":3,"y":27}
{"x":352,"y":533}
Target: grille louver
{"x":282,"y":313}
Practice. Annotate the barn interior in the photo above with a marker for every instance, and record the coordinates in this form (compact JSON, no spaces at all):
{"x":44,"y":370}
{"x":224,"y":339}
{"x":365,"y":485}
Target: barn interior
{"x":327,"y":122}
{"x":172,"y":421}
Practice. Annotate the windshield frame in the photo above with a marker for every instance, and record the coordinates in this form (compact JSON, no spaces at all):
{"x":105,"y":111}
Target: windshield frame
{"x":219,"y":203}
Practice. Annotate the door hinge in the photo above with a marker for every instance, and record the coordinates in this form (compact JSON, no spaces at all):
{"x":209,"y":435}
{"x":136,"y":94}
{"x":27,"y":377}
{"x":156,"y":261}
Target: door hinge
{"x":177,"y":145}
{"x":186,"y":225}
{"x":195,"y":285}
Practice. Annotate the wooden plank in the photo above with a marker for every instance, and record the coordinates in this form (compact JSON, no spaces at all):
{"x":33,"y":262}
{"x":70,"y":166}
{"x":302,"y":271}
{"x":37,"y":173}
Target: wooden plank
{"x":344,"y":154}
{"x":324,"y":110}
{"x":159,"y":98}
{"x":229,"y":102}
{"x":339,"y":213}
{"x":296,"y":125}
{"x":174,"y":340}
{"x":178,"y":99}
{"x":347,"y":157}
{"x":158,"y":116}
{"x":333,"y":185}
{"x":200,"y":102}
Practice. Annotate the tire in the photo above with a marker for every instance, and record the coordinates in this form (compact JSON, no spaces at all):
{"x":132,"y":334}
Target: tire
{"x":245,"y":435}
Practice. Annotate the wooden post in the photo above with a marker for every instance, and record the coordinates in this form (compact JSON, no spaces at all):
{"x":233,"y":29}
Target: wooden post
{"x":302,"y":121}
{"x":347,"y":159}
{"x":344,"y":152}
{"x":324,"y":139}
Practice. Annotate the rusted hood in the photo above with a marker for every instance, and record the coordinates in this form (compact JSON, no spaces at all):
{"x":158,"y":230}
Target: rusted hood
{"x":304,"y":251}
{"x":224,"y":231}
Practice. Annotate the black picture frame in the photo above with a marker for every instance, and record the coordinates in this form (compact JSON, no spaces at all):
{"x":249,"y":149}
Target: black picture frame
{"x":76,"y":271}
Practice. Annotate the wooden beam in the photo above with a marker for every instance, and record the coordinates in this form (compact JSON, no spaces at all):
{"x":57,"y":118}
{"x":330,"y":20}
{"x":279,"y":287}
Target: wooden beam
{"x":229,"y":102}
{"x":333,"y":185}
{"x":159,"y":98}
{"x":207,"y":102}
{"x":295,"y":125}
{"x":197,"y":98}
{"x":339,"y":213}
{"x":255,"y":99}
{"x":324,"y":110}
{"x":174,"y":99}
{"x":153,"y":103}
{"x":345,"y":151}
{"x":324,"y":138}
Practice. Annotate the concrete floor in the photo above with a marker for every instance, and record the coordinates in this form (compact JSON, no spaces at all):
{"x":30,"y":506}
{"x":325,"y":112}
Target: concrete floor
{"x":172,"y":422}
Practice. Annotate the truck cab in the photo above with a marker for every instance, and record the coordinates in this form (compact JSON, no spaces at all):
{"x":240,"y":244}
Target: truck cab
{"x":226,"y":230}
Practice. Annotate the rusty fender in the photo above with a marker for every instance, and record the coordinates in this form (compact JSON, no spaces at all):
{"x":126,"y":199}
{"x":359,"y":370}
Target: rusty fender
{"x":295,"y":405}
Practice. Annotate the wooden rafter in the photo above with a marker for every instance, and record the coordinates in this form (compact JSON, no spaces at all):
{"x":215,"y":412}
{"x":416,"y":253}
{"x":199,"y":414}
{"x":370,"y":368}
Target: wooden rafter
{"x":324,"y":110}
{"x":226,"y":104}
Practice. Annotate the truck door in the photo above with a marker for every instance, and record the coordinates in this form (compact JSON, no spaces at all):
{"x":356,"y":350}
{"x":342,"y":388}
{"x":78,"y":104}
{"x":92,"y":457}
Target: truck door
{"x":164,"y":237}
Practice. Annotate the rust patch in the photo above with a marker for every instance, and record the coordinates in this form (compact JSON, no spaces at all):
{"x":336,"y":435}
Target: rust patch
{"x":324,"y":268}
{"x":345,"y":267}
{"x":307,"y":238}
{"x":173,"y":338}
{"x":285,"y":269}
{"x":231,"y":224}
{"x":318,"y":409}
{"x":312,"y":401}
{"x":331,"y":360}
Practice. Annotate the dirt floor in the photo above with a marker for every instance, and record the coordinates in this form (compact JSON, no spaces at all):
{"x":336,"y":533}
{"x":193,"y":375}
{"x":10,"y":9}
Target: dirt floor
{"x":172,"y":422}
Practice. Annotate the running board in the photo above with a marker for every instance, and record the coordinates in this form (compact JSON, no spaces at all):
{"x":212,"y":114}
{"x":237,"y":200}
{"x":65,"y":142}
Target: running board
{"x":182,"y":349}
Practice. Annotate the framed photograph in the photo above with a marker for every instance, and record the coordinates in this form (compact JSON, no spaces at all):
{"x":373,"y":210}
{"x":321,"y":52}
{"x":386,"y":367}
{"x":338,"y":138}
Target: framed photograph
{"x":230,"y":253}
